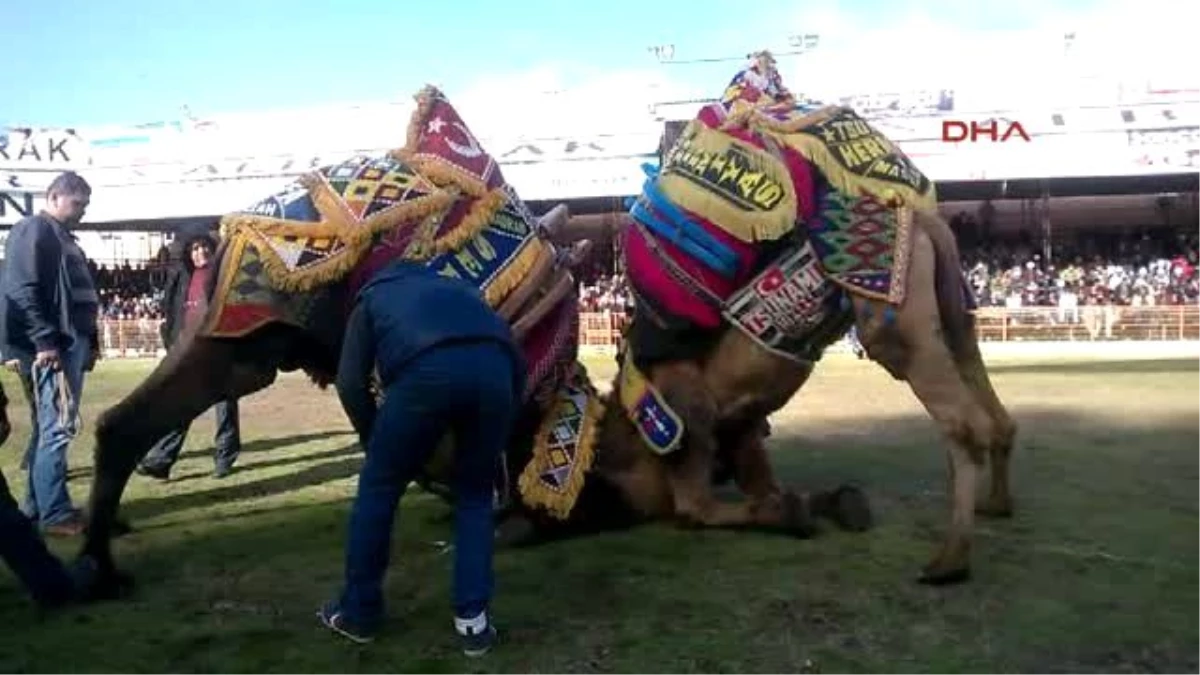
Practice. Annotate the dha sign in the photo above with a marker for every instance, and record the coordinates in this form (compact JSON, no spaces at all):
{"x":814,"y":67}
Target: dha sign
{"x":862,"y":150}
{"x":956,"y":131}
{"x":730,"y":173}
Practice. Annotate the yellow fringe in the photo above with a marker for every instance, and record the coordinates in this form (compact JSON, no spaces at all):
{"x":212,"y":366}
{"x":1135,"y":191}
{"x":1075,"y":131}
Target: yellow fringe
{"x":514,"y":272}
{"x":225,"y":276}
{"x":441,"y":172}
{"x":534,"y":492}
{"x":476,"y":219}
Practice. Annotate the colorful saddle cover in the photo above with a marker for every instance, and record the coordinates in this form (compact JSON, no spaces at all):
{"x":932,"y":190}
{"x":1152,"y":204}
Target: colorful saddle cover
{"x":441,"y":200}
{"x":742,"y":174}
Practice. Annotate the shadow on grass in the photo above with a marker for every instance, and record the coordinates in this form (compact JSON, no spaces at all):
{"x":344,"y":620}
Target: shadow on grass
{"x":268,"y":444}
{"x":243,"y":468}
{"x":237,"y":593}
{"x":147,"y":507}
{"x":260,"y":445}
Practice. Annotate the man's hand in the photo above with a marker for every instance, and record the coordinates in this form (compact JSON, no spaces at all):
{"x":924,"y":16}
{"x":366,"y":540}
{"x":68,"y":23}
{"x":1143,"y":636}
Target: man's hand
{"x":48,"y":358}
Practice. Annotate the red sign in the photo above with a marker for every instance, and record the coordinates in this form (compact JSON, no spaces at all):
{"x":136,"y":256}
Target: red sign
{"x":997,"y":131}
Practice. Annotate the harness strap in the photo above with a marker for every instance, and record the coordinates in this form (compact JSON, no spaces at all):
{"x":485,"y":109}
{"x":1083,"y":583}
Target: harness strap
{"x":677,"y":272}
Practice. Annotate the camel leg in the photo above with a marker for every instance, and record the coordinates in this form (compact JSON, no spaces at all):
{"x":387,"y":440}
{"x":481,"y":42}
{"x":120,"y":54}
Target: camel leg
{"x":998,"y":503}
{"x":187,"y":382}
{"x":910,"y":348}
{"x":846,"y":505}
{"x":690,"y":469}
{"x":969,"y":428}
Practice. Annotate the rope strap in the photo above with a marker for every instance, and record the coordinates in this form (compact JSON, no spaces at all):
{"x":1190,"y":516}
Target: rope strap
{"x":69,"y":418}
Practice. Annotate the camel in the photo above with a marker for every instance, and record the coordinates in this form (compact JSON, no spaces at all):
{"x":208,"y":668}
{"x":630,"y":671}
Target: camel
{"x":622,"y":487}
{"x":805,"y":171}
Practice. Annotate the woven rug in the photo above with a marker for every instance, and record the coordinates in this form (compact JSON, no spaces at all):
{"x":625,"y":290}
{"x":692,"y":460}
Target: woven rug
{"x":564,"y":448}
{"x":863,"y":245}
{"x":440,"y":200}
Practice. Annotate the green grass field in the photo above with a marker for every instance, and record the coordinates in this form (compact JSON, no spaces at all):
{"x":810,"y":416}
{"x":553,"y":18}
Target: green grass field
{"x":1097,"y":571}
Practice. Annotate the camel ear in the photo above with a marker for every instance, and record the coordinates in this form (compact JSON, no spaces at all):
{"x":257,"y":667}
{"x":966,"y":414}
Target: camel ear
{"x":554,"y":221}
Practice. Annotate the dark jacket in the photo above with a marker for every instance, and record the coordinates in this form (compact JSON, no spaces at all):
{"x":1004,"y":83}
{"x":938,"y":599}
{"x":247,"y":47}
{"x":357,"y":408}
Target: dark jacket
{"x":175,"y":291}
{"x":40,"y":294}
{"x":413,"y":308}
{"x":404,"y":311}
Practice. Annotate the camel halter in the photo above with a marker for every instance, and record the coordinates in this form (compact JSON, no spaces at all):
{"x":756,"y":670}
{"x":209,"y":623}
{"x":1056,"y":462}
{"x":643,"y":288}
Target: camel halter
{"x":71,"y":423}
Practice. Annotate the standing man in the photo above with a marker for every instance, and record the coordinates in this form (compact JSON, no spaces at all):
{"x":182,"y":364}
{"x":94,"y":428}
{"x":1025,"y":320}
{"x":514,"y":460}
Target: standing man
{"x":48,"y":323}
{"x":447,"y":364}
{"x":184,"y":302}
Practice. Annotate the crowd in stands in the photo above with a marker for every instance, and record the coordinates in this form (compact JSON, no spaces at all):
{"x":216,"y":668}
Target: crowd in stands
{"x":1139,"y":271}
{"x":132,"y":291}
{"x":1142,"y":270}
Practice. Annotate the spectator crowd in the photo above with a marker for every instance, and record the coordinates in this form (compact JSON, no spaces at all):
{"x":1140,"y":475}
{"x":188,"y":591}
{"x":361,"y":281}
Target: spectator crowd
{"x":1142,"y":270}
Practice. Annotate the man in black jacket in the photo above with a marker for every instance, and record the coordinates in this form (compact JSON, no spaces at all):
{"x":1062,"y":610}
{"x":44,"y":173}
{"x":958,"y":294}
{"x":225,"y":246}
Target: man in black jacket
{"x":48,"y":324}
{"x":184,"y":302}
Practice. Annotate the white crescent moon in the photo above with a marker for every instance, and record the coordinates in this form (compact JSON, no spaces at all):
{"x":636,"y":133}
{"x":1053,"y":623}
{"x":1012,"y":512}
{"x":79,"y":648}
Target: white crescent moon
{"x":471,"y":150}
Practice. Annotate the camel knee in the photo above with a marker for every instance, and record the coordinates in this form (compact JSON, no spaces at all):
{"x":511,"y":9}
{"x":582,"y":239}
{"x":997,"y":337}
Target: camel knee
{"x":1005,"y":436}
{"x":972,"y":431}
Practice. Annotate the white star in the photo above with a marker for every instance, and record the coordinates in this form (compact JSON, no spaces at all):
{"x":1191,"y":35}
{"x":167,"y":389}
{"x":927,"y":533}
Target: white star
{"x":435,"y":125}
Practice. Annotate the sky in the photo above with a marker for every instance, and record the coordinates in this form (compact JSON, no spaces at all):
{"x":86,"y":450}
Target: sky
{"x":85,"y":63}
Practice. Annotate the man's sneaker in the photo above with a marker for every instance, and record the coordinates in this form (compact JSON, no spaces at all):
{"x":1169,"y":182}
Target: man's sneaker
{"x":333,"y":619}
{"x":476,"y":635}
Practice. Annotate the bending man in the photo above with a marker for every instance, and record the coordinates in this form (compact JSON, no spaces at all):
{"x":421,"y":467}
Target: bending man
{"x":447,"y":364}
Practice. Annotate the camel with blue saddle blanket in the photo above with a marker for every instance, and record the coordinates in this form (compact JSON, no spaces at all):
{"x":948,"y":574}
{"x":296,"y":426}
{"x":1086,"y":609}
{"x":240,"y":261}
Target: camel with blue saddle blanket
{"x":762,"y":239}
{"x":287,"y":269}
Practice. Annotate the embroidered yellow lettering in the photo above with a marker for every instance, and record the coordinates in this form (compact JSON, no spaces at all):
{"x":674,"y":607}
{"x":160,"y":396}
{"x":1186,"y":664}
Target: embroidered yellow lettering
{"x":506,"y":222}
{"x":768,"y":194}
{"x":849,"y":156}
{"x":730,"y":173}
{"x":469,"y":263}
{"x":484,"y":248}
{"x":748,"y":182}
{"x":733,"y":170}
{"x":449,"y":271}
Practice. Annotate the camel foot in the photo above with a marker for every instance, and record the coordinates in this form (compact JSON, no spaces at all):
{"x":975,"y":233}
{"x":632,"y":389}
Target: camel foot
{"x":848,"y":506}
{"x":798,"y":517}
{"x":105,"y":582}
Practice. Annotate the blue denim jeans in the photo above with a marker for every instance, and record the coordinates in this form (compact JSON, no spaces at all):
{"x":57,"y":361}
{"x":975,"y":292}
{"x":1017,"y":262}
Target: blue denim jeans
{"x":47,"y":501}
{"x":25,"y":553}
{"x":462,"y":388}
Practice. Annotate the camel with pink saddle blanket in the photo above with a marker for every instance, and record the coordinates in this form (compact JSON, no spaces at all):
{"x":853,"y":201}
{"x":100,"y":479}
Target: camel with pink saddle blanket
{"x":766,"y":234}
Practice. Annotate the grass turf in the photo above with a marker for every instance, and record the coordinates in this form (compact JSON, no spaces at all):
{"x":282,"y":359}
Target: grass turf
{"x":1097,"y":571}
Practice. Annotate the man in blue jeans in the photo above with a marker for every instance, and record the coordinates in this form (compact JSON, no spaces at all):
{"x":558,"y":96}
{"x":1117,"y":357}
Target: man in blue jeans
{"x":48,"y":324}
{"x":447,"y":364}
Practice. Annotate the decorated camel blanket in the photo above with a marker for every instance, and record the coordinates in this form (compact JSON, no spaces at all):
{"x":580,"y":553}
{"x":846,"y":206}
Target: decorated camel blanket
{"x":762,"y":217}
{"x":298,"y":256}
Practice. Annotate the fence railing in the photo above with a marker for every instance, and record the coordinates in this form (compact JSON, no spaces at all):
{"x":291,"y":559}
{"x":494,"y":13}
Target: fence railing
{"x":601,"y":331}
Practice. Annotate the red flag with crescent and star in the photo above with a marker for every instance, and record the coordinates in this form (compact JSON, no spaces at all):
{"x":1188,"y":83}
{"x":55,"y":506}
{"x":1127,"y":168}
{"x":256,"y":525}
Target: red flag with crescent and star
{"x":444,"y":135}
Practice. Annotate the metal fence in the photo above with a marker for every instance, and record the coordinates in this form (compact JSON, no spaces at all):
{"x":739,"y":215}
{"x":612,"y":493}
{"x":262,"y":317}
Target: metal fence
{"x":601,"y":331}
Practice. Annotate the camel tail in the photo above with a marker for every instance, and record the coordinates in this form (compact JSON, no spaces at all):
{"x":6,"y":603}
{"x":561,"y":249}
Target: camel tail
{"x":958,"y":322}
